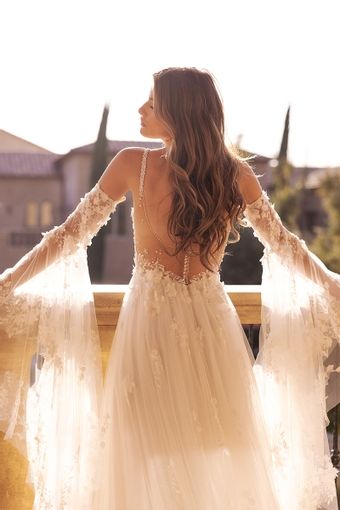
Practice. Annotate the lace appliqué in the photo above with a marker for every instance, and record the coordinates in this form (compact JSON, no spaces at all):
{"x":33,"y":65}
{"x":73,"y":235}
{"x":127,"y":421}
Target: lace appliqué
{"x":156,"y":285}
{"x":91,"y":214}
{"x":292,"y":252}
{"x":268,"y":228}
{"x":157,"y":367}
{"x":145,"y":262}
{"x":173,"y":480}
{"x":50,"y":319}
{"x":182,"y":337}
{"x":300,"y":326}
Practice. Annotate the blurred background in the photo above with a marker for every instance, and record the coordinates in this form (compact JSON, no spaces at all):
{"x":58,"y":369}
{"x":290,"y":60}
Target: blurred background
{"x":74,"y":73}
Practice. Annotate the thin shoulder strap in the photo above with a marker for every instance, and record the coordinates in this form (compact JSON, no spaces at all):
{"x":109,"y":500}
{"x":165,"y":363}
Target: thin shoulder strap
{"x":142,"y":203}
{"x":142,"y":173}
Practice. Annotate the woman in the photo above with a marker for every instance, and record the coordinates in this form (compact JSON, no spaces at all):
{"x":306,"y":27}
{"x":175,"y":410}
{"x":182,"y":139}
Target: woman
{"x":187,"y":419}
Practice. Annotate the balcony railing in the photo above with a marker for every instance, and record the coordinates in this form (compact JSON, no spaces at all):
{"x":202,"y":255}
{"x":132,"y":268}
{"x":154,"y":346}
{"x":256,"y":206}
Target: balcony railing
{"x":15,"y":494}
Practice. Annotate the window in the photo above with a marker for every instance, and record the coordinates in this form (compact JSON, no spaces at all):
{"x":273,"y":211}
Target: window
{"x":46,"y":213}
{"x":31,"y":218}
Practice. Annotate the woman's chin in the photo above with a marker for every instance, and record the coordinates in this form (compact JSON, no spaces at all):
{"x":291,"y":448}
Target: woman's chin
{"x":145,"y":132}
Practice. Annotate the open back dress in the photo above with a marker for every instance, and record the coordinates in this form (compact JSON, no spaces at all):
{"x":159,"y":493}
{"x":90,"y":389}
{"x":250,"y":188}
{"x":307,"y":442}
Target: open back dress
{"x":186,"y":419}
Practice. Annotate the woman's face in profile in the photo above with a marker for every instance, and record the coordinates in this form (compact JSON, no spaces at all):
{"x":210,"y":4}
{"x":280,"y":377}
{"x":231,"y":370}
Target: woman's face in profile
{"x":151,"y":127}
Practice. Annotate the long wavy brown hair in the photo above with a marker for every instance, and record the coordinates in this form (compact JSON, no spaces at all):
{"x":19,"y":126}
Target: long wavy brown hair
{"x":207,"y":205}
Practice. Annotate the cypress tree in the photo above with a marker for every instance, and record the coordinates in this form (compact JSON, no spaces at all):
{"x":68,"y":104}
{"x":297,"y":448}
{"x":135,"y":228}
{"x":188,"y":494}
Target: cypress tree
{"x":99,"y":163}
{"x":284,"y":195}
{"x":327,"y":241}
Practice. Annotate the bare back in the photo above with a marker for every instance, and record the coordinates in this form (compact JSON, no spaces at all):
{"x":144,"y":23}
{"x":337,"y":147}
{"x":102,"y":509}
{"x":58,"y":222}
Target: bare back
{"x":152,"y":202}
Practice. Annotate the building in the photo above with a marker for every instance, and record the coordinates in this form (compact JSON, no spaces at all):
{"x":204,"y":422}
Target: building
{"x":30,"y":196}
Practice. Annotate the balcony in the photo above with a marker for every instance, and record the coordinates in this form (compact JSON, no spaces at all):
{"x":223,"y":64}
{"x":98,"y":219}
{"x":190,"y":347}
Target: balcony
{"x":15,"y":494}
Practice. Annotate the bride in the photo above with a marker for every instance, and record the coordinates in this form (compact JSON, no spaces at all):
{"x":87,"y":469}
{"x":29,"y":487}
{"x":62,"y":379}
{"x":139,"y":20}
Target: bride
{"x":186,"y":417}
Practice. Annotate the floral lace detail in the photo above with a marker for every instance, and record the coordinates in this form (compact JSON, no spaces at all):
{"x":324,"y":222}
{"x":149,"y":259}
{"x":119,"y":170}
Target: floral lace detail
{"x":5,"y":285}
{"x":322,"y":322}
{"x":181,"y":336}
{"x":268,"y":228}
{"x":155,"y":285}
{"x":199,"y":337}
{"x":326,"y":314}
{"x":220,"y":439}
{"x":197,"y":423}
{"x":144,"y":263}
{"x":83,"y":223}
{"x":293,"y":253}
{"x":173,"y":480}
{"x":291,"y":250}
{"x":47,"y":315}
{"x":280,"y":448}
{"x":129,"y":388}
{"x":300,"y":333}
{"x":321,"y":489}
{"x":157,"y":367}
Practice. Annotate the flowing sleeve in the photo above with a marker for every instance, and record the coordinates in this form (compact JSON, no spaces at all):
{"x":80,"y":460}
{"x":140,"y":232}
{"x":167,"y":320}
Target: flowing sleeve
{"x":50,"y":359}
{"x":298,"y":366}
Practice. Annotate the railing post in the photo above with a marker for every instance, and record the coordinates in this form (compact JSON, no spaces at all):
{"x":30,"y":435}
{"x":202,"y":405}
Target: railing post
{"x":335,"y":454}
{"x":335,"y":450}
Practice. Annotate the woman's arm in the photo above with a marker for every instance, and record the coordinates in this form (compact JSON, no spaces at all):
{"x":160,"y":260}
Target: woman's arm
{"x":92,"y":212}
{"x":268,"y":227}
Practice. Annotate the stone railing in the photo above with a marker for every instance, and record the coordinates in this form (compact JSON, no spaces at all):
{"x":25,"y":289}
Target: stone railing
{"x":15,"y":494}
{"x":108,"y":300}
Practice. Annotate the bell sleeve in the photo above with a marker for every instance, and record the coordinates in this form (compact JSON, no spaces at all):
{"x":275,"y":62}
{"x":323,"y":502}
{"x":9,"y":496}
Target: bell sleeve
{"x":298,"y":366}
{"x":50,"y":359}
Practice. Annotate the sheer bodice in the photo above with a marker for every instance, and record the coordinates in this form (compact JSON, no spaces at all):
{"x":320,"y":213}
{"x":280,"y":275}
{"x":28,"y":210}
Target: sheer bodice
{"x":151,"y":239}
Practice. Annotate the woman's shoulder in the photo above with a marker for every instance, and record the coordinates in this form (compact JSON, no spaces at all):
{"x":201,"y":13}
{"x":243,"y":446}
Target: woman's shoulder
{"x":131,"y":157}
{"x":123,"y":172}
{"x":130,"y":154}
{"x":248,"y":183}
{"x":133,"y":153}
{"x":130,"y":160}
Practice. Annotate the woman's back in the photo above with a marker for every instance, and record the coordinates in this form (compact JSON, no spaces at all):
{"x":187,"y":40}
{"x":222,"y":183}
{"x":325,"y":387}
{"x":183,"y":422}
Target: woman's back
{"x":152,"y":197}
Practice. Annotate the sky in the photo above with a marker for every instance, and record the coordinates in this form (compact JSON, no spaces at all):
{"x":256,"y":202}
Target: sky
{"x":62,"y":60}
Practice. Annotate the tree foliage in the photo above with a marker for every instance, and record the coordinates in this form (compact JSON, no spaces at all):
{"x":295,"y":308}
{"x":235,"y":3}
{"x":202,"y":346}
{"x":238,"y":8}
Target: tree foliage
{"x":284,"y":195}
{"x":326,"y":244}
{"x":241,"y":264}
{"x":286,"y":200}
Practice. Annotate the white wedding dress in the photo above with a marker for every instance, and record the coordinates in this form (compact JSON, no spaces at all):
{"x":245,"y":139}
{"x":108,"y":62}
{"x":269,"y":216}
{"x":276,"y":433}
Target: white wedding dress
{"x":186,"y":420}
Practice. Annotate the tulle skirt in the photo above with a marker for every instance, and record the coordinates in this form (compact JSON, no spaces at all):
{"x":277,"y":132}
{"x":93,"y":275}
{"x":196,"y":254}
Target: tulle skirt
{"x":181,"y":420}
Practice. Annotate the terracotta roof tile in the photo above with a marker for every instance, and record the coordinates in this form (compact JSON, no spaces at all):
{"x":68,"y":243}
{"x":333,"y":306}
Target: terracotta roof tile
{"x":28,"y":165}
{"x":113,"y":146}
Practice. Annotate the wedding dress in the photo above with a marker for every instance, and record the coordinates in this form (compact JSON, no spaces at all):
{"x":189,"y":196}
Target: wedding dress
{"x":187,"y":419}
